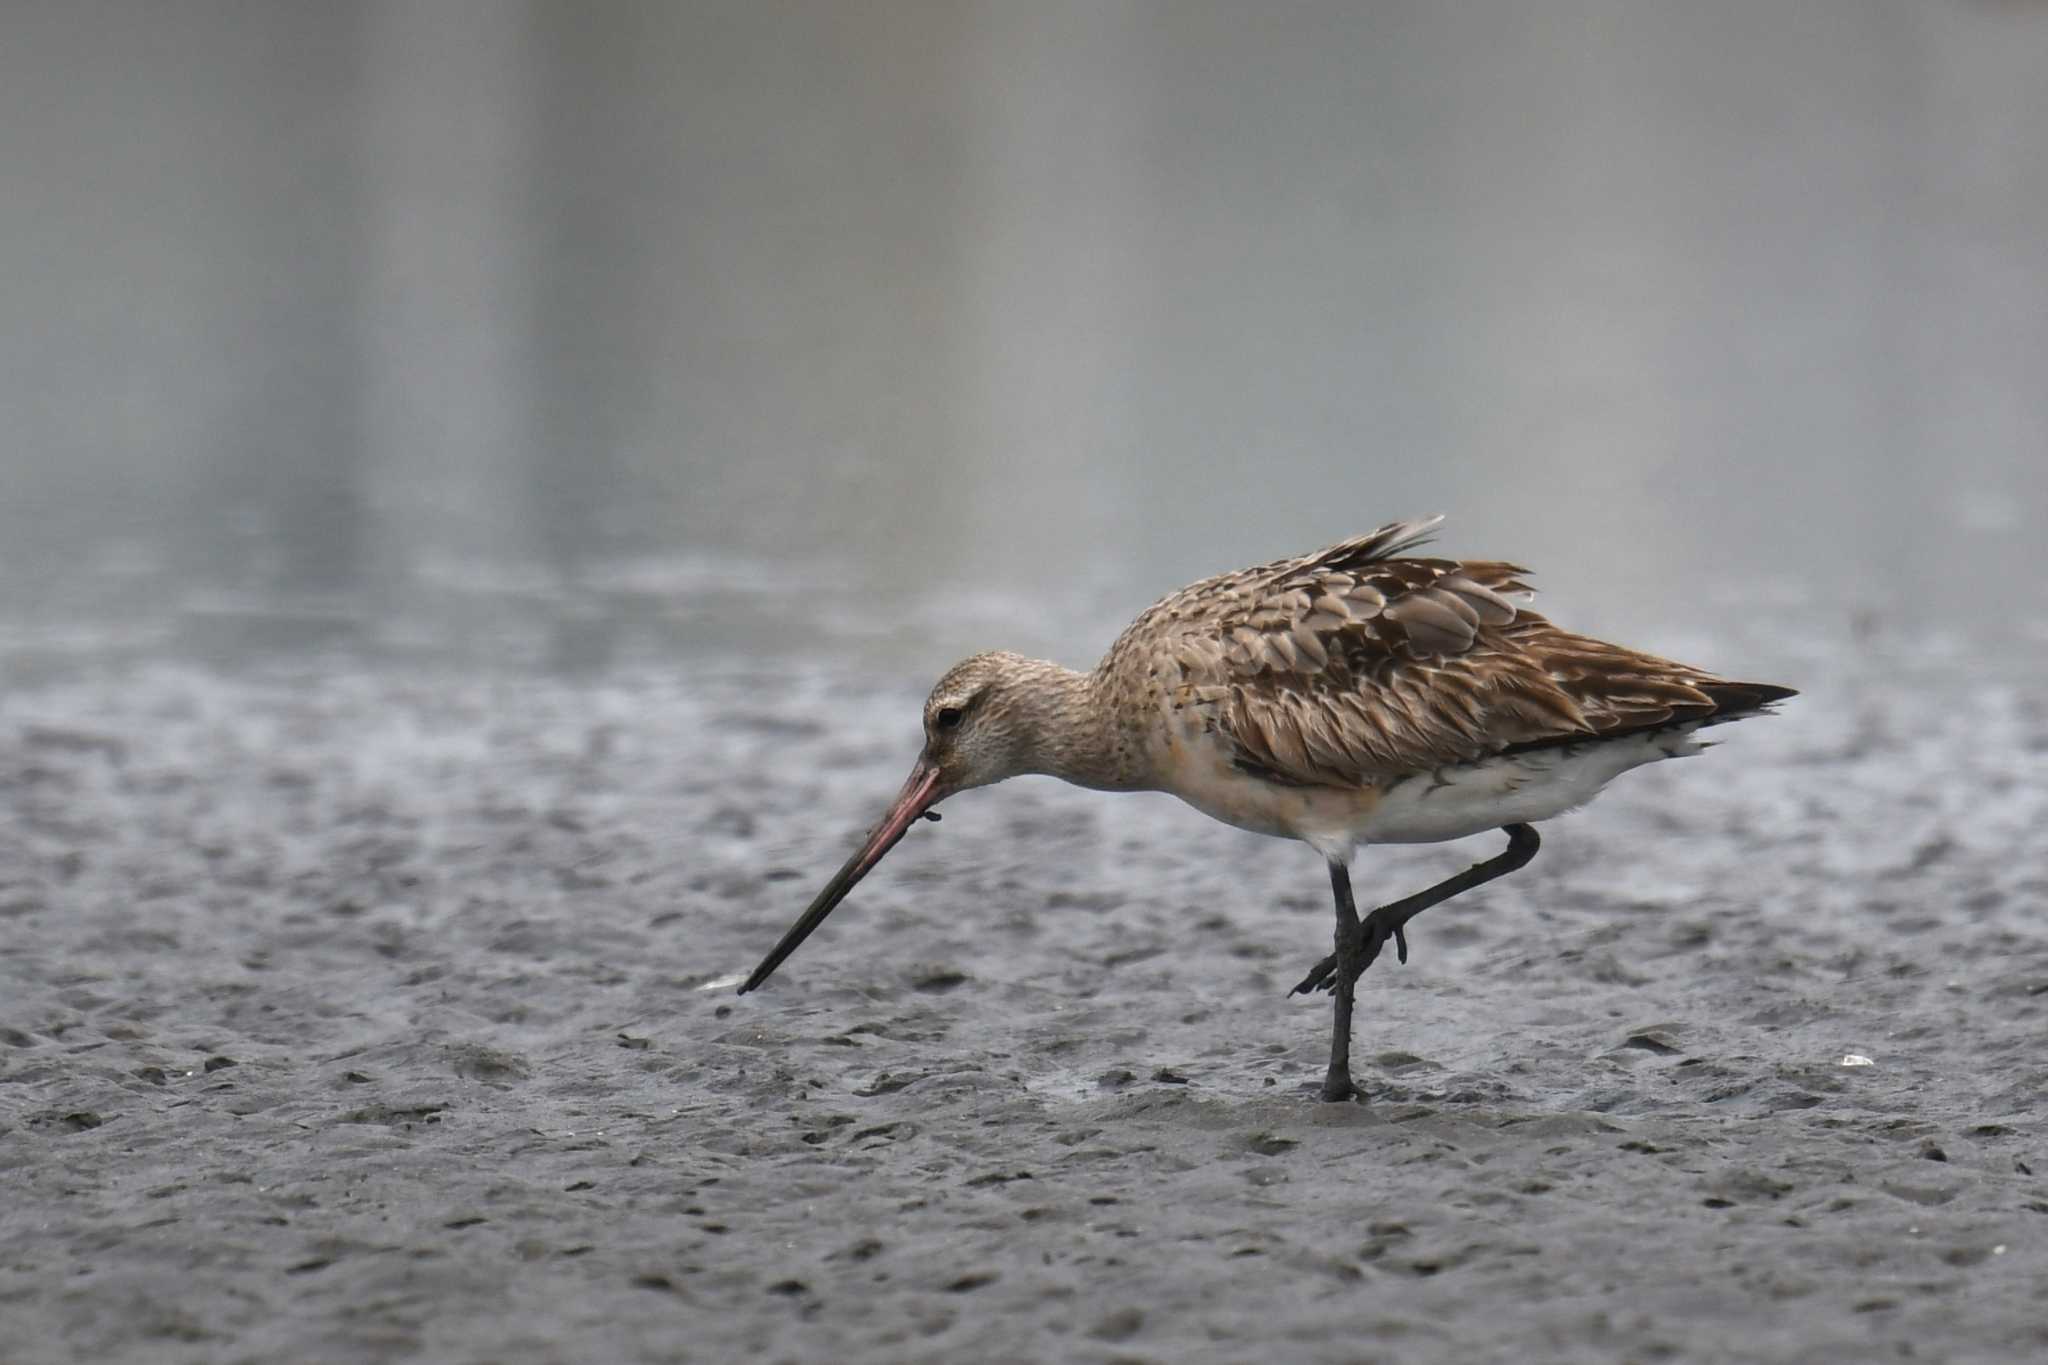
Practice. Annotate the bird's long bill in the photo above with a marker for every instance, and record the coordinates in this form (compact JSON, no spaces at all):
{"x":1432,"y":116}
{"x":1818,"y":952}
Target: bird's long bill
{"x":919,"y":794}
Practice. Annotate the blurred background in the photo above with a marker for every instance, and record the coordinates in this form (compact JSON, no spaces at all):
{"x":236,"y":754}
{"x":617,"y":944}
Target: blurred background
{"x":581,"y":335}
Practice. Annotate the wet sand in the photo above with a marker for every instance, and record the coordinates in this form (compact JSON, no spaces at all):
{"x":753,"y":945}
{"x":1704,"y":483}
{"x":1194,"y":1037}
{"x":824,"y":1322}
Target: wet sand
{"x":375,"y":1015}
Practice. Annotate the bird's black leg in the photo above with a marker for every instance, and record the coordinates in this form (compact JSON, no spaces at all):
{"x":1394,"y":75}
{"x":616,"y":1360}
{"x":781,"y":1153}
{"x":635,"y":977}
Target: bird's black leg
{"x":1390,"y":920}
{"x":1349,"y":960}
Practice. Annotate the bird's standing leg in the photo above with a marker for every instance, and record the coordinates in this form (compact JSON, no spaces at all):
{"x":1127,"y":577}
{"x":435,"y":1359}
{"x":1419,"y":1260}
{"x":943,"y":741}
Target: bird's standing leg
{"x":1388,"y":921}
{"x":1350,"y":963}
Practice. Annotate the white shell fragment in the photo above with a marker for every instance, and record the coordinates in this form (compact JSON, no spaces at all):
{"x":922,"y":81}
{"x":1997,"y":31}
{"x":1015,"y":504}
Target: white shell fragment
{"x":726,"y":982}
{"x":1856,"y":1059}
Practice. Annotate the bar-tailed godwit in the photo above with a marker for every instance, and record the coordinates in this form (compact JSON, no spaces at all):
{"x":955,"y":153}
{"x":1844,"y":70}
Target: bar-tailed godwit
{"x":1344,"y":698}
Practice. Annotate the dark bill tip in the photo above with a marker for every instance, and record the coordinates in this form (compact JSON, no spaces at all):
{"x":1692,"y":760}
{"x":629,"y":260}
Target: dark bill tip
{"x":916,"y":799}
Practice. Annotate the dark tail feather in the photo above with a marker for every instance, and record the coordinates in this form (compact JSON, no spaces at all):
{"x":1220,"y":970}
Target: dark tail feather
{"x":1732,"y":701}
{"x":1735,"y":700}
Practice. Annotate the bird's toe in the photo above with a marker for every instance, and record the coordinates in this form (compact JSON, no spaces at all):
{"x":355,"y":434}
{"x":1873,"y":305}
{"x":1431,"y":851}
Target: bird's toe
{"x":1319,"y":977}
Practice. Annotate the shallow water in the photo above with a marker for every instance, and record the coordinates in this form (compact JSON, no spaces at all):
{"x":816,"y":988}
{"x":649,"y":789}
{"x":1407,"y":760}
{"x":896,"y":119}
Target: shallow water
{"x":458,"y":329}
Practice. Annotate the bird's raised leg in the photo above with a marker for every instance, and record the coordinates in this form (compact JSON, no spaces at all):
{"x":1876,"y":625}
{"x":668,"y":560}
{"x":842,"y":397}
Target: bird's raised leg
{"x":1388,"y":921}
{"x":1349,"y":962}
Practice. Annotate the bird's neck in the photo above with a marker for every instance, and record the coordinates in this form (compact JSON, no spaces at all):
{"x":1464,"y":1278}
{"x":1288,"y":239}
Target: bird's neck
{"x":1075,"y":733}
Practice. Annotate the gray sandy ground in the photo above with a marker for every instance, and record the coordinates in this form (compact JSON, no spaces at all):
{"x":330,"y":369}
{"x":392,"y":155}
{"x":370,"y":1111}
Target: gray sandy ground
{"x":376,"y":1016}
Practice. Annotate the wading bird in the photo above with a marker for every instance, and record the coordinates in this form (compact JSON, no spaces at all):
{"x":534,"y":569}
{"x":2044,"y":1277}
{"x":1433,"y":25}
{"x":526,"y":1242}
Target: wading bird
{"x":1347,"y":697}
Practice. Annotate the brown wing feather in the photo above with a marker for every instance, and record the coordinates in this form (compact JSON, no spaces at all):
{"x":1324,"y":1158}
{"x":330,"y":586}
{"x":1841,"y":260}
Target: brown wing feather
{"x":1347,"y":667}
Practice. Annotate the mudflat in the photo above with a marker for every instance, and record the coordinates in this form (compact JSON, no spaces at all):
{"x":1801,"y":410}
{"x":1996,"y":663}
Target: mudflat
{"x":365,"y":1013}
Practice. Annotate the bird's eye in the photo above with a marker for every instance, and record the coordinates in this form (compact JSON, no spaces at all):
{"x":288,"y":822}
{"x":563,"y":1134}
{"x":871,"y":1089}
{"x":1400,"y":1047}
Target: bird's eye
{"x":947,"y":717}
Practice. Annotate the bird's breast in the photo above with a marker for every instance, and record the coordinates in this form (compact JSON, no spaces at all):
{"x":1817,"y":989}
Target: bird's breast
{"x":1201,"y":772}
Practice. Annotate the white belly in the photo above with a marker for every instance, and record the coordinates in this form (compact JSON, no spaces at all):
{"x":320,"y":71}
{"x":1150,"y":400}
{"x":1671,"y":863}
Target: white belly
{"x":1446,"y":803}
{"x":1470,"y":798}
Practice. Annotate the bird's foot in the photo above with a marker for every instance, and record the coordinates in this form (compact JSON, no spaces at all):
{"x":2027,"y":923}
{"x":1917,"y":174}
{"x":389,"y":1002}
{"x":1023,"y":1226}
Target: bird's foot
{"x":1375,"y":931}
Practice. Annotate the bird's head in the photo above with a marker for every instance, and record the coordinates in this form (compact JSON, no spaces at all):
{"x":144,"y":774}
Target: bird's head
{"x":980,"y":722}
{"x":992,"y":716}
